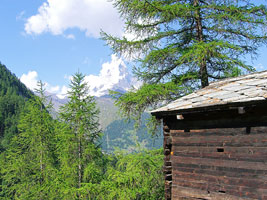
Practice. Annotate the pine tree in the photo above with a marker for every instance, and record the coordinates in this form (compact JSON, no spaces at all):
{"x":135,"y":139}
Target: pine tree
{"x":28,"y":165}
{"x":13,"y":95}
{"x":80,"y":157}
{"x":182,"y":45}
{"x":134,"y":176}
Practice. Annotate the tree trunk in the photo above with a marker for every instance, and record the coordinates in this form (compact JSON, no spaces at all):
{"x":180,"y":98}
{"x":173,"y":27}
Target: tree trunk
{"x":80,"y":165}
{"x":41,"y":154}
{"x":203,"y":67}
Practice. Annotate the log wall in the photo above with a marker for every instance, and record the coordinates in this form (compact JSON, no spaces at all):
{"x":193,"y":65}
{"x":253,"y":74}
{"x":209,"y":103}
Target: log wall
{"x":167,"y":143}
{"x":222,"y":163}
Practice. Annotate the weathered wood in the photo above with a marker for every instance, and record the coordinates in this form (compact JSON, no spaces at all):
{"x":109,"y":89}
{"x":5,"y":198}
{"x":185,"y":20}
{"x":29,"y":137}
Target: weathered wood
{"x":257,"y":140}
{"x":167,"y":145}
{"x":217,"y":155}
{"x":245,"y":150}
{"x":238,"y":190}
{"x":221,"y":171}
{"x":220,"y":123}
{"x":238,"y":171}
{"x":218,"y":131}
{"x":258,"y":154}
{"x":250,"y":107}
{"x":222,"y":180}
{"x":229,"y":118}
{"x":220,"y":163}
{"x":182,"y":193}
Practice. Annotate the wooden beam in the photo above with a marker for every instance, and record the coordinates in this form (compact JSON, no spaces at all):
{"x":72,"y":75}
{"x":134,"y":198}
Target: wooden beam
{"x":251,"y":121}
{"x":180,"y":192}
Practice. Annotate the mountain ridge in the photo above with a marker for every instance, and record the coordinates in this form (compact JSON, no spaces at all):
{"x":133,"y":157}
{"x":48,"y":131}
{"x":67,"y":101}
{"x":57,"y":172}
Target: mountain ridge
{"x":13,"y":95}
{"x":117,"y":132}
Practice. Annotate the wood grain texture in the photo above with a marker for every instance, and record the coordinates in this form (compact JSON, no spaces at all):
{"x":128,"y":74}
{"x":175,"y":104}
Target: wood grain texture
{"x":167,"y":169}
{"x":219,"y":164}
{"x":217,"y":154}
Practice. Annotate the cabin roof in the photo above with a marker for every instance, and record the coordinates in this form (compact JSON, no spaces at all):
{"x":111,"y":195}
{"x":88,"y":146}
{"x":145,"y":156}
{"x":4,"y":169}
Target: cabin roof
{"x":240,"y":90}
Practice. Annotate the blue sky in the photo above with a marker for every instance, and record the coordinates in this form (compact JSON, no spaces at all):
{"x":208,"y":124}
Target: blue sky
{"x":51,"y":39}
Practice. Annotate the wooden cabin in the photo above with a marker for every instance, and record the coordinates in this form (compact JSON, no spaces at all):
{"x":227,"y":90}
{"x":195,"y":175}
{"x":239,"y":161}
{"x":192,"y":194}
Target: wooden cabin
{"x":215,"y":141}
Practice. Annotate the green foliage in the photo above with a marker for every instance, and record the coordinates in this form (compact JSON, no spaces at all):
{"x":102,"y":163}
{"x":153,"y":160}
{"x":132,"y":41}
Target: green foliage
{"x":60,"y":159}
{"x":125,"y":136}
{"x":28,"y":165}
{"x":80,"y":158}
{"x":186,"y":43}
{"x":13,"y":95}
{"x":10,"y":84}
{"x":80,"y":112}
{"x":134,"y":176}
{"x":134,"y":102}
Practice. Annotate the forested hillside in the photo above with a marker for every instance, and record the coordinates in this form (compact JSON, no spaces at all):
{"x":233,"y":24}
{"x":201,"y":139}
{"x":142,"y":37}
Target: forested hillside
{"x":47,"y":158}
{"x":13,"y":95}
{"x":173,"y":48}
{"x":122,"y":134}
{"x":118,"y":133}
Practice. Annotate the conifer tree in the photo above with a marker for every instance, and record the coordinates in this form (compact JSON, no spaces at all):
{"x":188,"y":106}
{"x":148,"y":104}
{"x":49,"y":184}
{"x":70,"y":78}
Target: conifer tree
{"x":182,"y":45}
{"x":28,"y":165}
{"x":80,"y":157}
{"x":13,"y":95}
{"x":134,"y":176}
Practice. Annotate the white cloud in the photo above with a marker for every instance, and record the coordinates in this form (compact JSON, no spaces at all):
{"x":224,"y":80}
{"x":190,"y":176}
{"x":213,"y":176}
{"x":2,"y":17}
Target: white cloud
{"x":52,"y":89}
{"x":30,"y":79}
{"x":63,"y":92}
{"x":56,"y":16}
{"x":113,"y":75}
{"x":70,"y":36}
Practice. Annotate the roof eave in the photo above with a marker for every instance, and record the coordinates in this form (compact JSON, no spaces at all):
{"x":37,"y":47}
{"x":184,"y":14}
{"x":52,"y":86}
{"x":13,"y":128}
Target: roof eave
{"x":228,"y":106}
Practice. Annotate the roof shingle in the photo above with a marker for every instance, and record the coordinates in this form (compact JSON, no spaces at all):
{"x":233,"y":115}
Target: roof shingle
{"x":252,"y":87}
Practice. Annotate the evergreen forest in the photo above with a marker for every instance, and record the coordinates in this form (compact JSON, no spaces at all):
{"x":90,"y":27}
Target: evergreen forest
{"x":13,"y":95}
{"x":46,"y":158}
{"x":179,"y":46}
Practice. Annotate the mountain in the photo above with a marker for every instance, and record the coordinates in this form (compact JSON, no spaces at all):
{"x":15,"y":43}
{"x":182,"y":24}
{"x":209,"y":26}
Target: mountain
{"x":108,"y":112}
{"x":124,"y":135}
{"x":113,"y":76}
{"x":117,"y":132}
{"x":13,"y":95}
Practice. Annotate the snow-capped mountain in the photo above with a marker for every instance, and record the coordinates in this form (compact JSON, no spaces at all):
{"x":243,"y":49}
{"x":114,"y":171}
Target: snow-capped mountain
{"x":108,"y":111}
{"x":114,"y":75}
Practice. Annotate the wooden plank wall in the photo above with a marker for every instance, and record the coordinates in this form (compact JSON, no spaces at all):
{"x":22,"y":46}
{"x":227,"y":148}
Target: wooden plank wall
{"x":167,"y":144}
{"x":218,"y":163}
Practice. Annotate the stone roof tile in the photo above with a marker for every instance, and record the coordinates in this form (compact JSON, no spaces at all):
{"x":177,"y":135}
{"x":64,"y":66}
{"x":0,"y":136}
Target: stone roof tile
{"x":252,"y":87}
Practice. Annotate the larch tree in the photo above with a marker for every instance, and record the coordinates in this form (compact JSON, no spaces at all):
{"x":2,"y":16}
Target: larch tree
{"x":182,"y":45}
{"x":134,"y":176}
{"x":80,"y":156}
{"x":28,"y":165}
